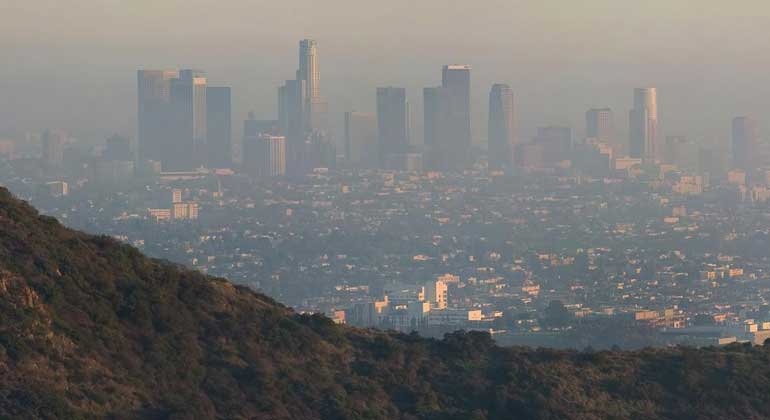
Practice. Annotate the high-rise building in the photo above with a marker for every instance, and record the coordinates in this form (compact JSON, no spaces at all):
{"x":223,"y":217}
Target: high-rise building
{"x":315,"y":108}
{"x":745,"y":144}
{"x":599,"y":125}
{"x":154,"y":94}
{"x":291,"y":120}
{"x":302,"y":114}
{"x":456,"y":79}
{"x":53,"y":142}
{"x":188,"y":120}
{"x":308,"y":67}
{"x":392,"y":126}
{"x":501,"y":133}
{"x":448,"y":120}
{"x":264,"y":156}
{"x":361,"y":139}
{"x":219,"y":130}
{"x":172,"y":118}
{"x":643,"y":125}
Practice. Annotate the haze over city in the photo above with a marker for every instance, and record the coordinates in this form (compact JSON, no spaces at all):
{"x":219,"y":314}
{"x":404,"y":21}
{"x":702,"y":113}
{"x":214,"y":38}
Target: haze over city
{"x":71,"y":64}
{"x":404,"y":209}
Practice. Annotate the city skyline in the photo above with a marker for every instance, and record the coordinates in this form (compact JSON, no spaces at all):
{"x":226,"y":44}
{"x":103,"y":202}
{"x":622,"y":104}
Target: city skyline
{"x":553,"y":85}
{"x":181,"y":96}
{"x":313,"y":111}
{"x":174,"y":117}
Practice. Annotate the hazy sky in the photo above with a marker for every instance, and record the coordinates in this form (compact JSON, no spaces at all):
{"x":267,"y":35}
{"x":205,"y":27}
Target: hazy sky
{"x":72,"y":63}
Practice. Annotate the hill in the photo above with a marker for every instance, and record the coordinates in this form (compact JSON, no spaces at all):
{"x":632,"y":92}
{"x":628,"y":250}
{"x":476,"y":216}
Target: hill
{"x":90,"y":328}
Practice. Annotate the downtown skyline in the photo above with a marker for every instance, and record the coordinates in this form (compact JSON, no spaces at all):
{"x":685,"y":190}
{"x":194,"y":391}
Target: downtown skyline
{"x":175,"y":102}
{"x":557,"y":71}
{"x":528,"y":118}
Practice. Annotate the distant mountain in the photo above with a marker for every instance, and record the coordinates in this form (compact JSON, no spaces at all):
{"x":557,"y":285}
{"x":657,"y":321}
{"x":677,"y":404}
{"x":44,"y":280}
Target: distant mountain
{"x":90,"y":328}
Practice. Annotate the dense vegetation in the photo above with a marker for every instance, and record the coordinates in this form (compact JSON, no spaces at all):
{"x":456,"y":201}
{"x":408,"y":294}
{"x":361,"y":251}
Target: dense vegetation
{"x":90,"y":328}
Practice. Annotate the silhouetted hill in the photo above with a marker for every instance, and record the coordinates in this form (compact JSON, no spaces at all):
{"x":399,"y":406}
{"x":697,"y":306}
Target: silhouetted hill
{"x":90,"y":328}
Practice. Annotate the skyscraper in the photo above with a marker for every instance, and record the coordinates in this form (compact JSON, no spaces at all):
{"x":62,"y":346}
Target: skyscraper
{"x":315,"y":108}
{"x":308,"y":67}
{"x":154,"y":94}
{"x":219,"y":127}
{"x":291,"y":120}
{"x":264,"y":155}
{"x":501,"y":133}
{"x":302,"y":114}
{"x":456,"y":79}
{"x":745,"y":144}
{"x":361,"y":146}
{"x":172,"y":118}
{"x":187,"y":121}
{"x":392,"y":127}
{"x":599,"y":125}
{"x":448,"y":121}
{"x":643,"y":125}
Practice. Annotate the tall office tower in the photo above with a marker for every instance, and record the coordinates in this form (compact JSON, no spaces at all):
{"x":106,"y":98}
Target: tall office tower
{"x":264,"y":155}
{"x":291,"y":119}
{"x":53,"y":142}
{"x":643,"y":125}
{"x":154,"y":93}
{"x":308,"y":67}
{"x":118,"y":148}
{"x":599,"y":125}
{"x":219,"y":131}
{"x":456,"y":79}
{"x":361,"y":139}
{"x":745,"y":144}
{"x":437,"y":127}
{"x":501,"y":133}
{"x":186,"y":149}
{"x":556,"y":143}
{"x":315,"y":107}
{"x":392,"y":127}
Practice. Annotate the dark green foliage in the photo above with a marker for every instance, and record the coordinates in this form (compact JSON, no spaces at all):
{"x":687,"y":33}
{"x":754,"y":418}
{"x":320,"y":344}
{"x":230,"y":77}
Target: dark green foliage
{"x":556,"y":315}
{"x":90,"y":328}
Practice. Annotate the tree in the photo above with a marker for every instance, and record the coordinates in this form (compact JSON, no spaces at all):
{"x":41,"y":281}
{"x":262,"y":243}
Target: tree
{"x":556,"y":315}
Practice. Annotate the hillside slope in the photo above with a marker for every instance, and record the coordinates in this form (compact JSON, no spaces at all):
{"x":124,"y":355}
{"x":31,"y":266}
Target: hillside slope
{"x":90,"y":328}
